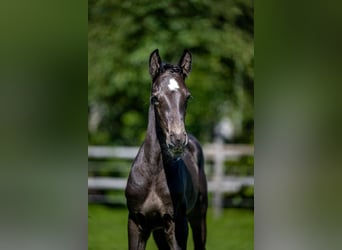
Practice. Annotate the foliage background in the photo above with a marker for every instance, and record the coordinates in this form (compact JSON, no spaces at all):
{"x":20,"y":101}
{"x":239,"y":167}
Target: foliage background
{"x":121,"y":36}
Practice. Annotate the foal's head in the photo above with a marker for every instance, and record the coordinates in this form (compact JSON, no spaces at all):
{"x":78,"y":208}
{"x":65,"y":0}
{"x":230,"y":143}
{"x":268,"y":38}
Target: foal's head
{"x":169,"y":96}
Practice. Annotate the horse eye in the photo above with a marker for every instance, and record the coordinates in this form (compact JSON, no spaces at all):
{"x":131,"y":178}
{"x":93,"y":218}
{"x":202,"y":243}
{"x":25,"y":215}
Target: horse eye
{"x":154,"y":100}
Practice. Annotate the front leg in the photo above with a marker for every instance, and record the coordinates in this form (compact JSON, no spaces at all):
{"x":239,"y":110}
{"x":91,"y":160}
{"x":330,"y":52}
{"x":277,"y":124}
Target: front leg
{"x":176,"y":232}
{"x":137,"y":236}
{"x":182,"y":231}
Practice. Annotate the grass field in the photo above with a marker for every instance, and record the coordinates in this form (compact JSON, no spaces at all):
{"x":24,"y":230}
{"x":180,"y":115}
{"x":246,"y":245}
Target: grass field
{"x":233,"y":231}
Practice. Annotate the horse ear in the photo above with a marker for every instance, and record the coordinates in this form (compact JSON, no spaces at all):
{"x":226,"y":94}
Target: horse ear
{"x":154,"y":64}
{"x":185,"y":62}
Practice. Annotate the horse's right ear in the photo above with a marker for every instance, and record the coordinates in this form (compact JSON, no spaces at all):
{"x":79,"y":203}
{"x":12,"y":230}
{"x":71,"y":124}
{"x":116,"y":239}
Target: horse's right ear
{"x":154,"y":64}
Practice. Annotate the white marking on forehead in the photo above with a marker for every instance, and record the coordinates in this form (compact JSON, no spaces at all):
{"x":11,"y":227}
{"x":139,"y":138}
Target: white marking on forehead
{"x":173,"y":84}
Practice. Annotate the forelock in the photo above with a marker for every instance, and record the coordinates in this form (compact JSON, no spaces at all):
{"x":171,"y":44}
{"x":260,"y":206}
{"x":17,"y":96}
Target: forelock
{"x":171,"y":68}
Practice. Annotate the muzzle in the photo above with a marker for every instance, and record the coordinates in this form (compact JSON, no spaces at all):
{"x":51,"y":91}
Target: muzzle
{"x":177,"y":141}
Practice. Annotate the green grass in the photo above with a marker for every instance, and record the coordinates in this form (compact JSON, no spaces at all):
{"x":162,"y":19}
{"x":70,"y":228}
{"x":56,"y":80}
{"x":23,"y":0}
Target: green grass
{"x":233,"y":231}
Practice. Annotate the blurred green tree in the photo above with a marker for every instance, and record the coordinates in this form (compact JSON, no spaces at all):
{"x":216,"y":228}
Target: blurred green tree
{"x":121,"y":36}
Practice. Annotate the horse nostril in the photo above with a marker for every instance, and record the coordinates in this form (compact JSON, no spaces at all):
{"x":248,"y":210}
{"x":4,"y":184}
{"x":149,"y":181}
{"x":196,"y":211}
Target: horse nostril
{"x":186,"y":140}
{"x":172,"y":137}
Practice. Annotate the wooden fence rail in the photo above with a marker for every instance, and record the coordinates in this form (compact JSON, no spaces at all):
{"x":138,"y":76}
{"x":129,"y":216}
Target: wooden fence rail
{"x":217,"y":153}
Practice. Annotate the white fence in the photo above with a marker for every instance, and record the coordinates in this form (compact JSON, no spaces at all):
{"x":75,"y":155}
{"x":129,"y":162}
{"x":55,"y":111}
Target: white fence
{"x":216,"y":153}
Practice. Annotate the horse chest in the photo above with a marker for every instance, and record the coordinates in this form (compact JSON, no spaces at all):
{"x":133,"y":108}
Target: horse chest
{"x":148,"y":192}
{"x":158,"y":199}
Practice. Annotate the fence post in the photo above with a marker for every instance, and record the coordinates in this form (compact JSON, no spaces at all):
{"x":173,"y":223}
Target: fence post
{"x":218,"y":174}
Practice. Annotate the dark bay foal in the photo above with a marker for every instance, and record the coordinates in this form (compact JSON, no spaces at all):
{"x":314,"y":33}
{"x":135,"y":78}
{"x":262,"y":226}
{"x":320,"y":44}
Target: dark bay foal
{"x":167,"y":186}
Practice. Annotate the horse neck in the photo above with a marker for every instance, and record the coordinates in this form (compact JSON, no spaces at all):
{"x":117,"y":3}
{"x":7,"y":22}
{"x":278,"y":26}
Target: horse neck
{"x":154,"y":145}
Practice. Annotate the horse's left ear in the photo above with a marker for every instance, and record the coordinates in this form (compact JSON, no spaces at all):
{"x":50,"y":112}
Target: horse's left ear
{"x":185,"y":62}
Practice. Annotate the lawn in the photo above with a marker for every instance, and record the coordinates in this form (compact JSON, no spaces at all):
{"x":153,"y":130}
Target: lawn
{"x":233,"y":231}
